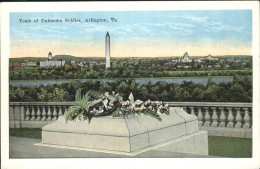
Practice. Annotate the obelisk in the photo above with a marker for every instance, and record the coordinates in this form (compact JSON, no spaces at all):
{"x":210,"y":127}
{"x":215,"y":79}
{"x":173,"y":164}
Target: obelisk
{"x":107,"y":50}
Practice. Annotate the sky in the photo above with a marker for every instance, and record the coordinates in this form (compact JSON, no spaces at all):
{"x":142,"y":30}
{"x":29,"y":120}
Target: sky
{"x":135,"y":34}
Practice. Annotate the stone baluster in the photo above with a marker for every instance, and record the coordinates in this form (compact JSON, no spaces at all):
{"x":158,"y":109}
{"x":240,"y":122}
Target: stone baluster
{"x":200,"y":116}
{"x":238,"y":118}
{"x":38,"y":114}
{"x":22,"y":115}
{"x":222,"y":117}
{"x":230,"y":118}
{"x":27,"y":114}
{"x":192,"y":111}
{"x":49,"y":114}
{"x":246,"y":119}
{"x":60,"y":111}
{"x":54,"y":113}
{"x":207,"y":117}
{"x":214,"y":117}
{"x":43,"y":114}
{"x":33,"y":114}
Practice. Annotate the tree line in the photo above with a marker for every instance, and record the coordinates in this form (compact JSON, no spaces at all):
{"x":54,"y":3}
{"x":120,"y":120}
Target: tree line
{"x":74,"y":72}
{"x":239,"y":90}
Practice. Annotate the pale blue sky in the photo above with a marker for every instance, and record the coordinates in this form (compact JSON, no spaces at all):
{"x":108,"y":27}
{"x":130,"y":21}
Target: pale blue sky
{"x":233,"y":27}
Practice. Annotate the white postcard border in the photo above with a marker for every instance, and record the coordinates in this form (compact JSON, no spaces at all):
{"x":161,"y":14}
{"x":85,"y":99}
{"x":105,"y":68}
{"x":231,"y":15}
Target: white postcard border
{"x":127,"y":163}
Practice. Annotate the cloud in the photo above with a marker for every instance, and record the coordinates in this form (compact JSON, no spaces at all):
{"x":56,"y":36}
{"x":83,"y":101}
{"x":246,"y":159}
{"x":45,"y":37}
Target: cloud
{"x":196,"y":18}
{"x":218,"y":27}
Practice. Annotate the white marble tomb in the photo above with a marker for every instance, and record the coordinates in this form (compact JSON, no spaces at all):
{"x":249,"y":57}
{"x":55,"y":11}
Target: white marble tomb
{"x":177,"y":132}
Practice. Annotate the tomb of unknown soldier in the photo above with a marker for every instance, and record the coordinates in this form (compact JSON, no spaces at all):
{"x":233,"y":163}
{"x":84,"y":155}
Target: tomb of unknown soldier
{"x":125,"y":127}
{"x":177,"y":132}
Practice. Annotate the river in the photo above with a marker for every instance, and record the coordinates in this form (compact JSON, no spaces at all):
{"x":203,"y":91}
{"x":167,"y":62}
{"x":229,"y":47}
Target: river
{"x":198,"y":80}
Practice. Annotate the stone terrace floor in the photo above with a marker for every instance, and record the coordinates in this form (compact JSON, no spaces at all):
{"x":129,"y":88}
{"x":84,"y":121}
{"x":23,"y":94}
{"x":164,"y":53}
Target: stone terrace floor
{"x":26,"y":148}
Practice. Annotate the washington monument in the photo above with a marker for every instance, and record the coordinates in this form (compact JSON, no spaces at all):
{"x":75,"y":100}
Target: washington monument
{"x":107,"y":50}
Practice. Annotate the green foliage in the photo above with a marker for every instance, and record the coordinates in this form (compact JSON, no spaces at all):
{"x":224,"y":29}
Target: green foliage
{"x":128,"y":71}
{"x":79,"y":110}
{"x":240,"y":90}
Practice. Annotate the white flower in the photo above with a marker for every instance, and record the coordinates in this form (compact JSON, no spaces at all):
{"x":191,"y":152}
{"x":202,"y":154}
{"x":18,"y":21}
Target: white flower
{"x":166,"y":105}
{"x":157,"y":102}
{"x":158,"y":112}
{"x":111,"y":103}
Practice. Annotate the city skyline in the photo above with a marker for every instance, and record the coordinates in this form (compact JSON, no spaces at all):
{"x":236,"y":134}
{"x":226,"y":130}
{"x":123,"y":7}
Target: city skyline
{"x":136,"y":34}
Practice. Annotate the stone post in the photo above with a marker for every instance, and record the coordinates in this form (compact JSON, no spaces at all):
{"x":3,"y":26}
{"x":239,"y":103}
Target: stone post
{"x":214,"y":118}
{"x":246,"y":119}
{"x":200,"y":116}
{"x":49,"y":114}
{"x":43,"y":114}
{"x":33,"y":114}
{"x":27,"y":114}
{"x":54,"y":114}
{"x":192,"y":111}
{"x":22,"y":115}
{"x":230,"y":118}
{"x":207,"y":117}
{"x":38,"y":114}
{"x":222,"y":117}
{"x":60,"y":111}
{"x":238,"y":118}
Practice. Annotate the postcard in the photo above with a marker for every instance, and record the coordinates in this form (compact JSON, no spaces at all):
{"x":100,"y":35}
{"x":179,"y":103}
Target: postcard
{"x":130,"y":84}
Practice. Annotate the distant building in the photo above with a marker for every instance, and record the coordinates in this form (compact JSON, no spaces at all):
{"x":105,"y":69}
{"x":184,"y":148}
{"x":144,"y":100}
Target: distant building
{"x":145,"y":63}
{"x":23,"y":64}
{"x":52,"y":63}
{"x":230,"y":60}
{"x":198,"y":60}
{"x":30,"y":64}
{"x":16,"y":64}
{"x":80,"y":64}
{"x":179,"y":66}
{"x":174,"y":60}
{"x":169,"y":66}
{"x":185,"y":58}
{"x":49,"y":55}
{"x":210,"y":58}
{"x":227,"y":66}
{"x":217,"y":66}
{"x":92,"y":63}
{"x":73,"y":63}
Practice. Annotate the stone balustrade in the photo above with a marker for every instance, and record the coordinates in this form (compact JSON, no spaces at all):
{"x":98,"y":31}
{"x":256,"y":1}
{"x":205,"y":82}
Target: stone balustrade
{"x":35,"y":114}
{"x":219,"y":119}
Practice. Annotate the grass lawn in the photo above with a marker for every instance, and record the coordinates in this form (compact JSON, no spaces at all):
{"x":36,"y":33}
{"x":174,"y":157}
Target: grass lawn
{"x":26,"y":132}
{"x":230,"y":147}
{"x":218,"y":146}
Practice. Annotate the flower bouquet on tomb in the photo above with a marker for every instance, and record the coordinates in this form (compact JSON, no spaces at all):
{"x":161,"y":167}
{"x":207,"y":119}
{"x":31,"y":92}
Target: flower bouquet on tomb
{"x":113,"y":105}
